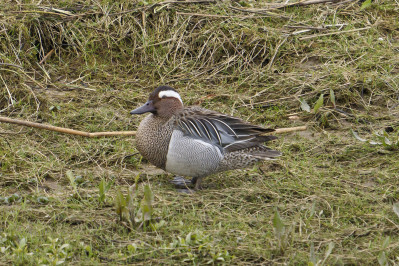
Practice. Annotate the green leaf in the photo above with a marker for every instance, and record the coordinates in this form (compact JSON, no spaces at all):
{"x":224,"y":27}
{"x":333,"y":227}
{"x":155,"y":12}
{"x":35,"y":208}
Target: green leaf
{"x":130,"y":196}
{"x":332,"y":97}
{"x":304,"y":105}
{"x":279,"y":227}
{"x":382,"y":259}
{"x":148,"y":195}
{"x":136,"y":180}
{"x":312,"y":210}
{"x":188,"y":238}
{"x":146,"y":204}
{"x":130,"y":203}
{"x":329,"y":249}
{"x":365,"y":4}
{"x":120,"y":204}
{"x":319,"y":103}
{"x":22,"y":243}
{"x":312,"y":256}
{"x":101,"y":190}
{"x":386,"y":242}
{"x":383,"y":140}
{"x":396,"y":208}
{"x":71,"y":178}
{"x":387,"y":142}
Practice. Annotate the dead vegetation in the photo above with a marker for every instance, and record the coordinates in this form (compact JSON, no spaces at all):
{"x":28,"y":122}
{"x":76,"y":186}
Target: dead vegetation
{"x":85,"y":64}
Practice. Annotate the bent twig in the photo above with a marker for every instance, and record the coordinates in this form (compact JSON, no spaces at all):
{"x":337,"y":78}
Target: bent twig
{"x":104,"y":134}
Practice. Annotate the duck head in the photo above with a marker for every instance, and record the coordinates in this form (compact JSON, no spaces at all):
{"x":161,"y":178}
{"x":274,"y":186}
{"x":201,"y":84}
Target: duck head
{"x":164,"y":101}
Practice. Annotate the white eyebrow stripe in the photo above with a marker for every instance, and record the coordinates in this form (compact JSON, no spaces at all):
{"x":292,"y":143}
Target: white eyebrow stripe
{"x":169,"y":93}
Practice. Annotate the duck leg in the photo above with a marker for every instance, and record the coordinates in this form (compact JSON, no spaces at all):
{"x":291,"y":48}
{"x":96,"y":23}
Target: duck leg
{"x":196,"y":181}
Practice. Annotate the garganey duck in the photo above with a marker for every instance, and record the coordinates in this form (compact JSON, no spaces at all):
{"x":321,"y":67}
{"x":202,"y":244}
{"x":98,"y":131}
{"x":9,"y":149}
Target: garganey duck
{"x":196,"y":142}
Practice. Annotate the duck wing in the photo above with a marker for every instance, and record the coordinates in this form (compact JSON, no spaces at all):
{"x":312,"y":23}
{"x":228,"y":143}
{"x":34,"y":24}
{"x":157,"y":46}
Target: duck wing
{"x":229,"y":133}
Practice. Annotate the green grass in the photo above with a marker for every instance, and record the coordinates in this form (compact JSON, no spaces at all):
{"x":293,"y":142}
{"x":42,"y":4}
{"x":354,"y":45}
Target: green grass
{"x":328,"y":200}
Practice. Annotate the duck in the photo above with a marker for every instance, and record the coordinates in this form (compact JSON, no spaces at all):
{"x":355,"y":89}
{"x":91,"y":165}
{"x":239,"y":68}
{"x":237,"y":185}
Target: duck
{"x":196,"y":142}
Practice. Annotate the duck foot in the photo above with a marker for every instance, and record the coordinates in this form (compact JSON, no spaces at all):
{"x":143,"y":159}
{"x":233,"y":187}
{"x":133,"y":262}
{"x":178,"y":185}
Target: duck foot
{"x":181,"y":182}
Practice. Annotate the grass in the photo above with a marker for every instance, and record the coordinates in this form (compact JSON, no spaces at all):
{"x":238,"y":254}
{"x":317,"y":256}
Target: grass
{"x":328,"y":200}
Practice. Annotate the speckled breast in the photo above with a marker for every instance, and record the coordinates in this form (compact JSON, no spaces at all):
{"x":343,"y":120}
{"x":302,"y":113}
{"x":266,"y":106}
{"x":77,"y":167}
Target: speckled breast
{"x":152,"y":139}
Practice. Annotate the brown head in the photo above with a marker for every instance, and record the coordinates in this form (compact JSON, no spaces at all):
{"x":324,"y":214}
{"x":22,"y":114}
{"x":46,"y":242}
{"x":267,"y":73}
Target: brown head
{"x":164,"y":102}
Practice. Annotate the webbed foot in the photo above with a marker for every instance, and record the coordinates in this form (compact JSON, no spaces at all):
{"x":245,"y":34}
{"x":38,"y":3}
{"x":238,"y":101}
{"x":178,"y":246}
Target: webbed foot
{"x":181,"y":182}
{"x":185,"y":185}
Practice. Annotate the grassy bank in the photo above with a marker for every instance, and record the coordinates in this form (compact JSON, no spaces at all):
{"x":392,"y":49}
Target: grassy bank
{"x":330,"y":199}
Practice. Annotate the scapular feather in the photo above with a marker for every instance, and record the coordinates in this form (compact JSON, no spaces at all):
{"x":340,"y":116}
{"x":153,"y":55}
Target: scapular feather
{"x":230,"y":133}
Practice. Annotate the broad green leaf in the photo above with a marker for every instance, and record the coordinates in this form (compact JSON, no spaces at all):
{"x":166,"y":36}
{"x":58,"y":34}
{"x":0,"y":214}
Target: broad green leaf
{"x":385,"y":134}
{"x":319,"y":103}
{"x":101,"y":190}
{"x":304,"y":105}
{"x":146,"y":211}
{"x":387,"y":142}
{"x":22,"y":243}
{"x":101,"y":186}
{"x":136,"y":180}
{"x":330,"y":247}
{"x":312,"y":256}
{"x":332,"y":97}
{"x":130,"y":196}
{"x":130,"y":204}
{"x":71,"y":178}
{"x":386,"y":242}
{"x":188,"y":238}
{"x":146,"y":203}
{"x":120,"y":203}
{"x":396,"y":208}
{"x":279,"y":227}
{"x":382,"y":259}
{"x":365,"y":4}
{"x":148,"y":195}
{"x":312,"y":210}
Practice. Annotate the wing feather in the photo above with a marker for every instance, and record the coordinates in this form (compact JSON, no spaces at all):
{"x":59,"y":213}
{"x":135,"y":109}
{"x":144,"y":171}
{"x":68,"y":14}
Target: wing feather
{"x":229,"y":133}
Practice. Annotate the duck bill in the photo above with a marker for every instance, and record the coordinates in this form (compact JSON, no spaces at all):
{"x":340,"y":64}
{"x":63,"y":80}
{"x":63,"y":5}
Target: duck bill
{"x":147,"y":107}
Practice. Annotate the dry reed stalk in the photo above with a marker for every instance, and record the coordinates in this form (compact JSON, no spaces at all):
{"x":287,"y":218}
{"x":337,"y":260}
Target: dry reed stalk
{"x":47,"y":56}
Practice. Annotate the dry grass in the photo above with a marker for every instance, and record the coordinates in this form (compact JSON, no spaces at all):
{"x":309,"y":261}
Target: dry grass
{"x":86,"y":64}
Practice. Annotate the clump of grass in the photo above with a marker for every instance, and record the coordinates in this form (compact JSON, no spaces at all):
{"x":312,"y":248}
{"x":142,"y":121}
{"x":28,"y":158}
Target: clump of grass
{"x":137,"y":213}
